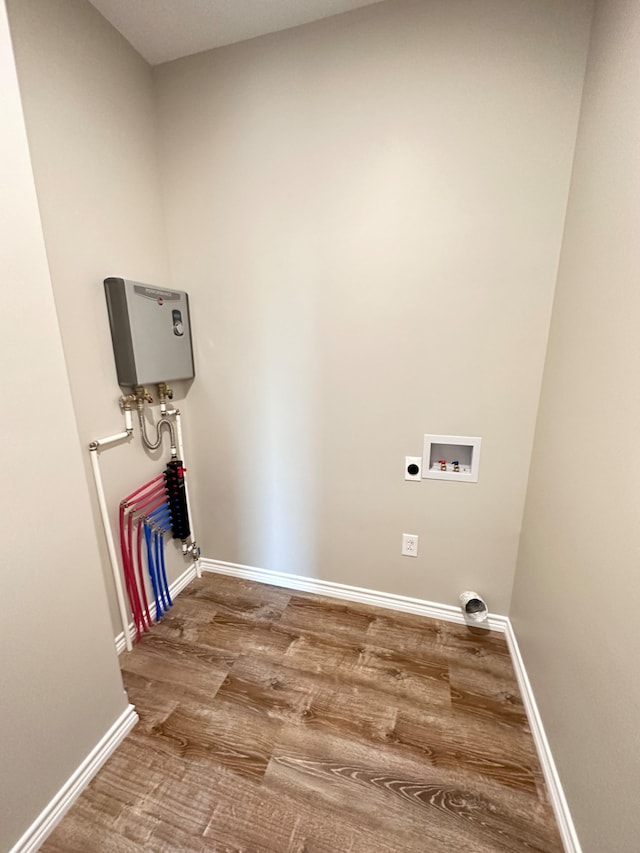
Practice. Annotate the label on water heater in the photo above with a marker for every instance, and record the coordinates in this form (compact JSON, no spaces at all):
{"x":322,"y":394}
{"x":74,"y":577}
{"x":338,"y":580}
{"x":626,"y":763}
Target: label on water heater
{"x":160,"y":296}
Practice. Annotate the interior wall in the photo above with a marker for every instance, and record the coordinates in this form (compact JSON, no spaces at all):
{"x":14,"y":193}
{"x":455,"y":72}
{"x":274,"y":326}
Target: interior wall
{"x":369,"y":210}
{"x":88,"y":102}
{"x":61,"y":687}
{"x":577,"y":580}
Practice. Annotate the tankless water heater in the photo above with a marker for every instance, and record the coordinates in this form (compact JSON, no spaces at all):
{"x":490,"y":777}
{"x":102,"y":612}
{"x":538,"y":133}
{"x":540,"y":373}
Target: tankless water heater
{"x":151,"y":332}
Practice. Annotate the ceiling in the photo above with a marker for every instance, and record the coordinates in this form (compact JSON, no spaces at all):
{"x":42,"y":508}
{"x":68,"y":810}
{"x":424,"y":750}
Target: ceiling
{"x":161,"y":30}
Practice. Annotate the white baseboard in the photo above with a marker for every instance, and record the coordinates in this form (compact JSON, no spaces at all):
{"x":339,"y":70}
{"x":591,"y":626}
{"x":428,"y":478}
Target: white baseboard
{"x":174,"y":589}
{"x":447,"y":613}
{"x":389,"y":600}
{"x":74,"y":786}
{"x":551,"y":777}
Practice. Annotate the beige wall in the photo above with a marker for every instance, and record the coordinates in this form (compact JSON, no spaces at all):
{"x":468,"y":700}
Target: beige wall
{"x":88,"y":102}
{"x":577,"y":582}
{"x":61,"y":688}
{"x":369,"y":211}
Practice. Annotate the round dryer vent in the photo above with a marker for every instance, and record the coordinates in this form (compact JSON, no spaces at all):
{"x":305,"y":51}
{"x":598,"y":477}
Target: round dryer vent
{"x":473,"y":606}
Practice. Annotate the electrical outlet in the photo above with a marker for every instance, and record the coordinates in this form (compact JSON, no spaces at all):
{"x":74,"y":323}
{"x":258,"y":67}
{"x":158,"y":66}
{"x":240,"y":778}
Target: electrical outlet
{"x":410,"y":544}
{"x":412,"y":467}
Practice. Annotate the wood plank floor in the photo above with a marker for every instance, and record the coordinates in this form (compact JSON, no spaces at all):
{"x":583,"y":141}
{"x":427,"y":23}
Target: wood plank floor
{"x":291,"y":723}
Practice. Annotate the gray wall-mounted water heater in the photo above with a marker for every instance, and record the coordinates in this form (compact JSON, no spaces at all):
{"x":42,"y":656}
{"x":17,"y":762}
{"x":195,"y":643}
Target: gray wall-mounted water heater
{"x":151,"y":332}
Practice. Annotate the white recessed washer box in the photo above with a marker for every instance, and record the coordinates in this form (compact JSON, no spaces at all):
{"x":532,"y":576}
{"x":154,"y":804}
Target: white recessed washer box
{"x":451,"y":457}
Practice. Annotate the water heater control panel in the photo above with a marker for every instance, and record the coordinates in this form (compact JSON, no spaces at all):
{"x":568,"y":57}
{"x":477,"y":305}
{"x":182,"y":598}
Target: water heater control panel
{"x":151,"y":332}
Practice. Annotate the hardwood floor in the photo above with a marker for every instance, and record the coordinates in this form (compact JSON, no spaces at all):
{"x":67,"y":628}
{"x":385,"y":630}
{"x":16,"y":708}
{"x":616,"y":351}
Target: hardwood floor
{"x":291,"y":723}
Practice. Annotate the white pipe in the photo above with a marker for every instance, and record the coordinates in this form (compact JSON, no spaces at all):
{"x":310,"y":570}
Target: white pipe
{"x":110,"y":439}
{"x":186,"y":486}
{"x":113,"y":558}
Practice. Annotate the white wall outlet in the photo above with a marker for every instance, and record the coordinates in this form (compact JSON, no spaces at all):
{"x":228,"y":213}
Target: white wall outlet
{"x":411,"y":463}
{"x":410,"y":544}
